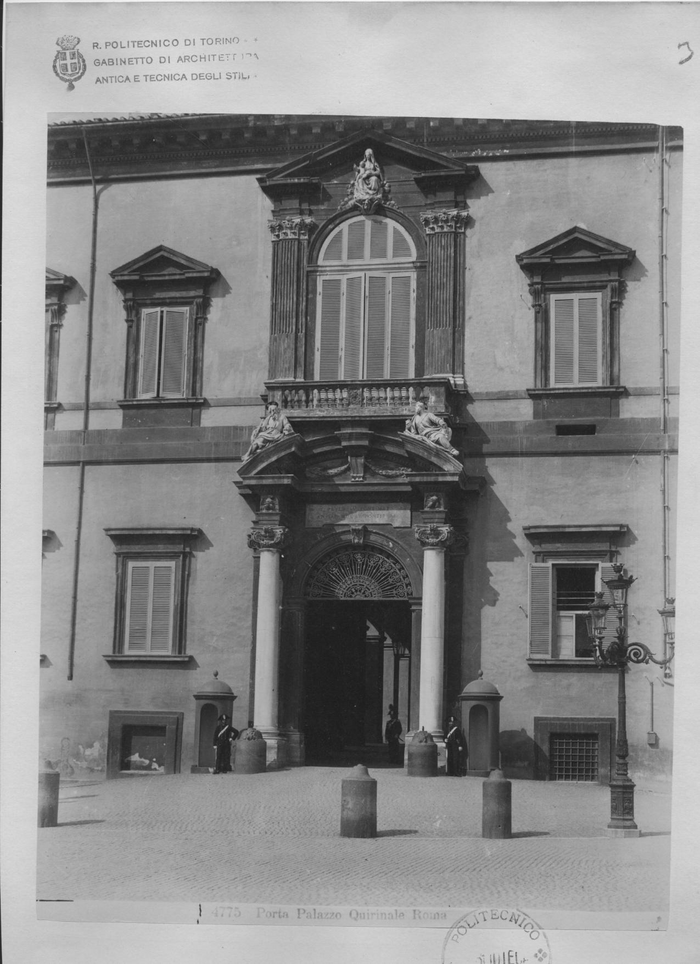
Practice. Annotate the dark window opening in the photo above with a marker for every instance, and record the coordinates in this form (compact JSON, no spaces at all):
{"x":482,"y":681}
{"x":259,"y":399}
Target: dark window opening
{"x":574,"y":594}
{"x":143,"y":749}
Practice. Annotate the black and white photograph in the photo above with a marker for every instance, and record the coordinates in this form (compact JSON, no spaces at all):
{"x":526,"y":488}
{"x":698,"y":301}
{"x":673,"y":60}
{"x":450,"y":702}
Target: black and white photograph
{"x":361,"y":521}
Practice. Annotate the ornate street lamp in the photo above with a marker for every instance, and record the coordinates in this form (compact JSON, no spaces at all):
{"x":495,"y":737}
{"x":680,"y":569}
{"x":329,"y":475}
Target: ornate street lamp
{"x":619,"y":652}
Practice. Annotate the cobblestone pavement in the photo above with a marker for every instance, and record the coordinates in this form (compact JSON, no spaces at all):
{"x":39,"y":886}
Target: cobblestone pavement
{"x":274,"y":838}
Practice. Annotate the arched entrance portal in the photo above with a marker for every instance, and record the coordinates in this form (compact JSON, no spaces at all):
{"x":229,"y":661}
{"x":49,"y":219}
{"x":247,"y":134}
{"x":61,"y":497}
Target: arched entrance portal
{"x":357,"y":652}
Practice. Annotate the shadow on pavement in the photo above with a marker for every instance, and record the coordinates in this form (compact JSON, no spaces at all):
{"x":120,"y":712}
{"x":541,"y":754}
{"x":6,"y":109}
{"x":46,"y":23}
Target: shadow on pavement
{"x":395,"y":833}
{"x":531,"y":833}
{"x":85,"y":796}
{"x":655,"y":833}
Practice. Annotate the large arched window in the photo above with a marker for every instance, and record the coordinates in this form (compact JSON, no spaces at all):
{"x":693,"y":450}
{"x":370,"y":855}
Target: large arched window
{"x":366,"y":296}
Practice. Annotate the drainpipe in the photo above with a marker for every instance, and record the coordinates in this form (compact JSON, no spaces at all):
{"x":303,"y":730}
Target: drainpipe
{"x":663,"y":361}
{"x":86,"y":417}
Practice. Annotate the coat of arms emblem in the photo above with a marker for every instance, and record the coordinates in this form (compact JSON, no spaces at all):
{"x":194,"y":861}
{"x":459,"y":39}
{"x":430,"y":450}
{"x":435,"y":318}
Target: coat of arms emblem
{"x":69,"y":64}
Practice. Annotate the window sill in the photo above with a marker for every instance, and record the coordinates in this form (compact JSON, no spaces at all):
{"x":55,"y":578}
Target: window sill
{"x":585,"y":391}
{"x":564,"y":663}
{"x":125,"y":403}
{"x":579,"y":401}
{"x":123,"y":658}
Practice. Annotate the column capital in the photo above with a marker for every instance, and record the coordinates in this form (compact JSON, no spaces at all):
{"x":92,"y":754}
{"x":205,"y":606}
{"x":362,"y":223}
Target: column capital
{"x":442,"y":222}
{"x":267,"y":537}
{"x":296,"y":229}
{"x":434,"y":536}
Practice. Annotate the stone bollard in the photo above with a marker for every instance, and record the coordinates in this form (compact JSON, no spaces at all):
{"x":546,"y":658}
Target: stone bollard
{"x":496,"y":812}
{"x":251,"y":752}
{"x":358,"y":804}
{"x":422,"y":755}
{"x":48,"y":798}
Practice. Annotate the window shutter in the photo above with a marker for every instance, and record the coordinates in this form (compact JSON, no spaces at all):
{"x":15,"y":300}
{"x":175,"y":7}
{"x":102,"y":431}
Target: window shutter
{"x":138,"y":607}
{"x":376,"y":325}
{"x":356,"y":240}
{"x":329,"y":340}
{"x":352,"y":342}
{"x":150,"y":607}
{"x":378,"y":239}
{"x":174,"y":352}
{"x":588,"y":335}
{"x":563,"y":340}
{"x":400,"y":332}
{"x":150,"y":326}
{"x":607,"y":572}
{"x":162,"y":608}
{"x":540,"y":609}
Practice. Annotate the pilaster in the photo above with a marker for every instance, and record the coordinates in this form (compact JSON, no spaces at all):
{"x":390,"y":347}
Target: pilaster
{"x":444,"y":335}
{"x":290,"y":242}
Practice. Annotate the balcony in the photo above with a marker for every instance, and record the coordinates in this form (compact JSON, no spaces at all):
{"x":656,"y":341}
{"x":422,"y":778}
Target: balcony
{"x":442,"y":395}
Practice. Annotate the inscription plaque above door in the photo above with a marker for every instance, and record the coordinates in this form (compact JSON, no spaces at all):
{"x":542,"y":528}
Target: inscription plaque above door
{"x":373,"y":513}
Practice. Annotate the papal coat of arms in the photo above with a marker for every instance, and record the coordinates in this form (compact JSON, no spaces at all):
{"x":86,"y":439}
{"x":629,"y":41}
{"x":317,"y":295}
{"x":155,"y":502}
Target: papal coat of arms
{"x":69,"y":64}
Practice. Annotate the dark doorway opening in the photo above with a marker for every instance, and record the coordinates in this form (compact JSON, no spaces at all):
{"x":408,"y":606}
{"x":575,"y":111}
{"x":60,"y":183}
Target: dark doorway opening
{"x":357,"y":661}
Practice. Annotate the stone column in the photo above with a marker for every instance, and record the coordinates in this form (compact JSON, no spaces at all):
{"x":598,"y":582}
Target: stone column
{"x":290,"y":237}
{"x":268,"y":540}
{"x":444,"y":330}
{"x":434,"y":539}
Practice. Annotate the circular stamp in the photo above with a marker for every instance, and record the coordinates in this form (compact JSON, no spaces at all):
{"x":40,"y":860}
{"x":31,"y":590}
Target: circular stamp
{"x":496,"y":935}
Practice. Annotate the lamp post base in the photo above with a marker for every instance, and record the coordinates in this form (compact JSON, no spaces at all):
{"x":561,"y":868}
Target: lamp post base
{"x":622,"y":809}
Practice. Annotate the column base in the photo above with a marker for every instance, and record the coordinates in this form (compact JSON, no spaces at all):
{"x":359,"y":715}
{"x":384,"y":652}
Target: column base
{"x":623,"y":832}
{"x":276,"y":748}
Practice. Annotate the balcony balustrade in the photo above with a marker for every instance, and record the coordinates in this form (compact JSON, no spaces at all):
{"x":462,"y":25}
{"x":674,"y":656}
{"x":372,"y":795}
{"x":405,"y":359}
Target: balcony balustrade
{"x":313,"y":399}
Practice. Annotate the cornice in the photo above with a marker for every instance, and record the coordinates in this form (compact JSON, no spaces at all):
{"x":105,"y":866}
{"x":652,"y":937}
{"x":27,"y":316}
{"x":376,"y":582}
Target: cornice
{"x":183,"y":144}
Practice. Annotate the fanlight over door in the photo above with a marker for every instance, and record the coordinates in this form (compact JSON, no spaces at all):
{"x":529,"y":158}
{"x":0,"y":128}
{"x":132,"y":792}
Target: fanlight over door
{"x":358,"y":574}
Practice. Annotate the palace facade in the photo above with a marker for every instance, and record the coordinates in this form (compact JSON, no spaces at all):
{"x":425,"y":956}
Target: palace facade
{"x":349,"y":411}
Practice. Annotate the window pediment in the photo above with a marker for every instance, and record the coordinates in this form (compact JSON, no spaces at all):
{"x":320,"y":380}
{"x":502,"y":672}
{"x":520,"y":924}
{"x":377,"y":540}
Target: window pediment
{"x":57,"y":285}
{"x":160,"y":266}
{"x":575,"y":248}
{"x":595,"y":541}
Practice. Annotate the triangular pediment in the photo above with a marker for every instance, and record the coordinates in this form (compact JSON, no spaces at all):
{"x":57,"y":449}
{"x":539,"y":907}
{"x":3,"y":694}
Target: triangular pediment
{"x":576,"y":246}
{"x":57,"y":283}
{"x":324,"y":164}
{"x":161,"y":264}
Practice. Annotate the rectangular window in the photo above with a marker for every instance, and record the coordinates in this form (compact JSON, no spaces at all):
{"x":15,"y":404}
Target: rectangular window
{"x":365,"y":326}
{"x":150,"y":612}
{"x":163,"y":353}
{"x":561,"y":593}
{"x":575,"y":339}
{"x":150,"y":606}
